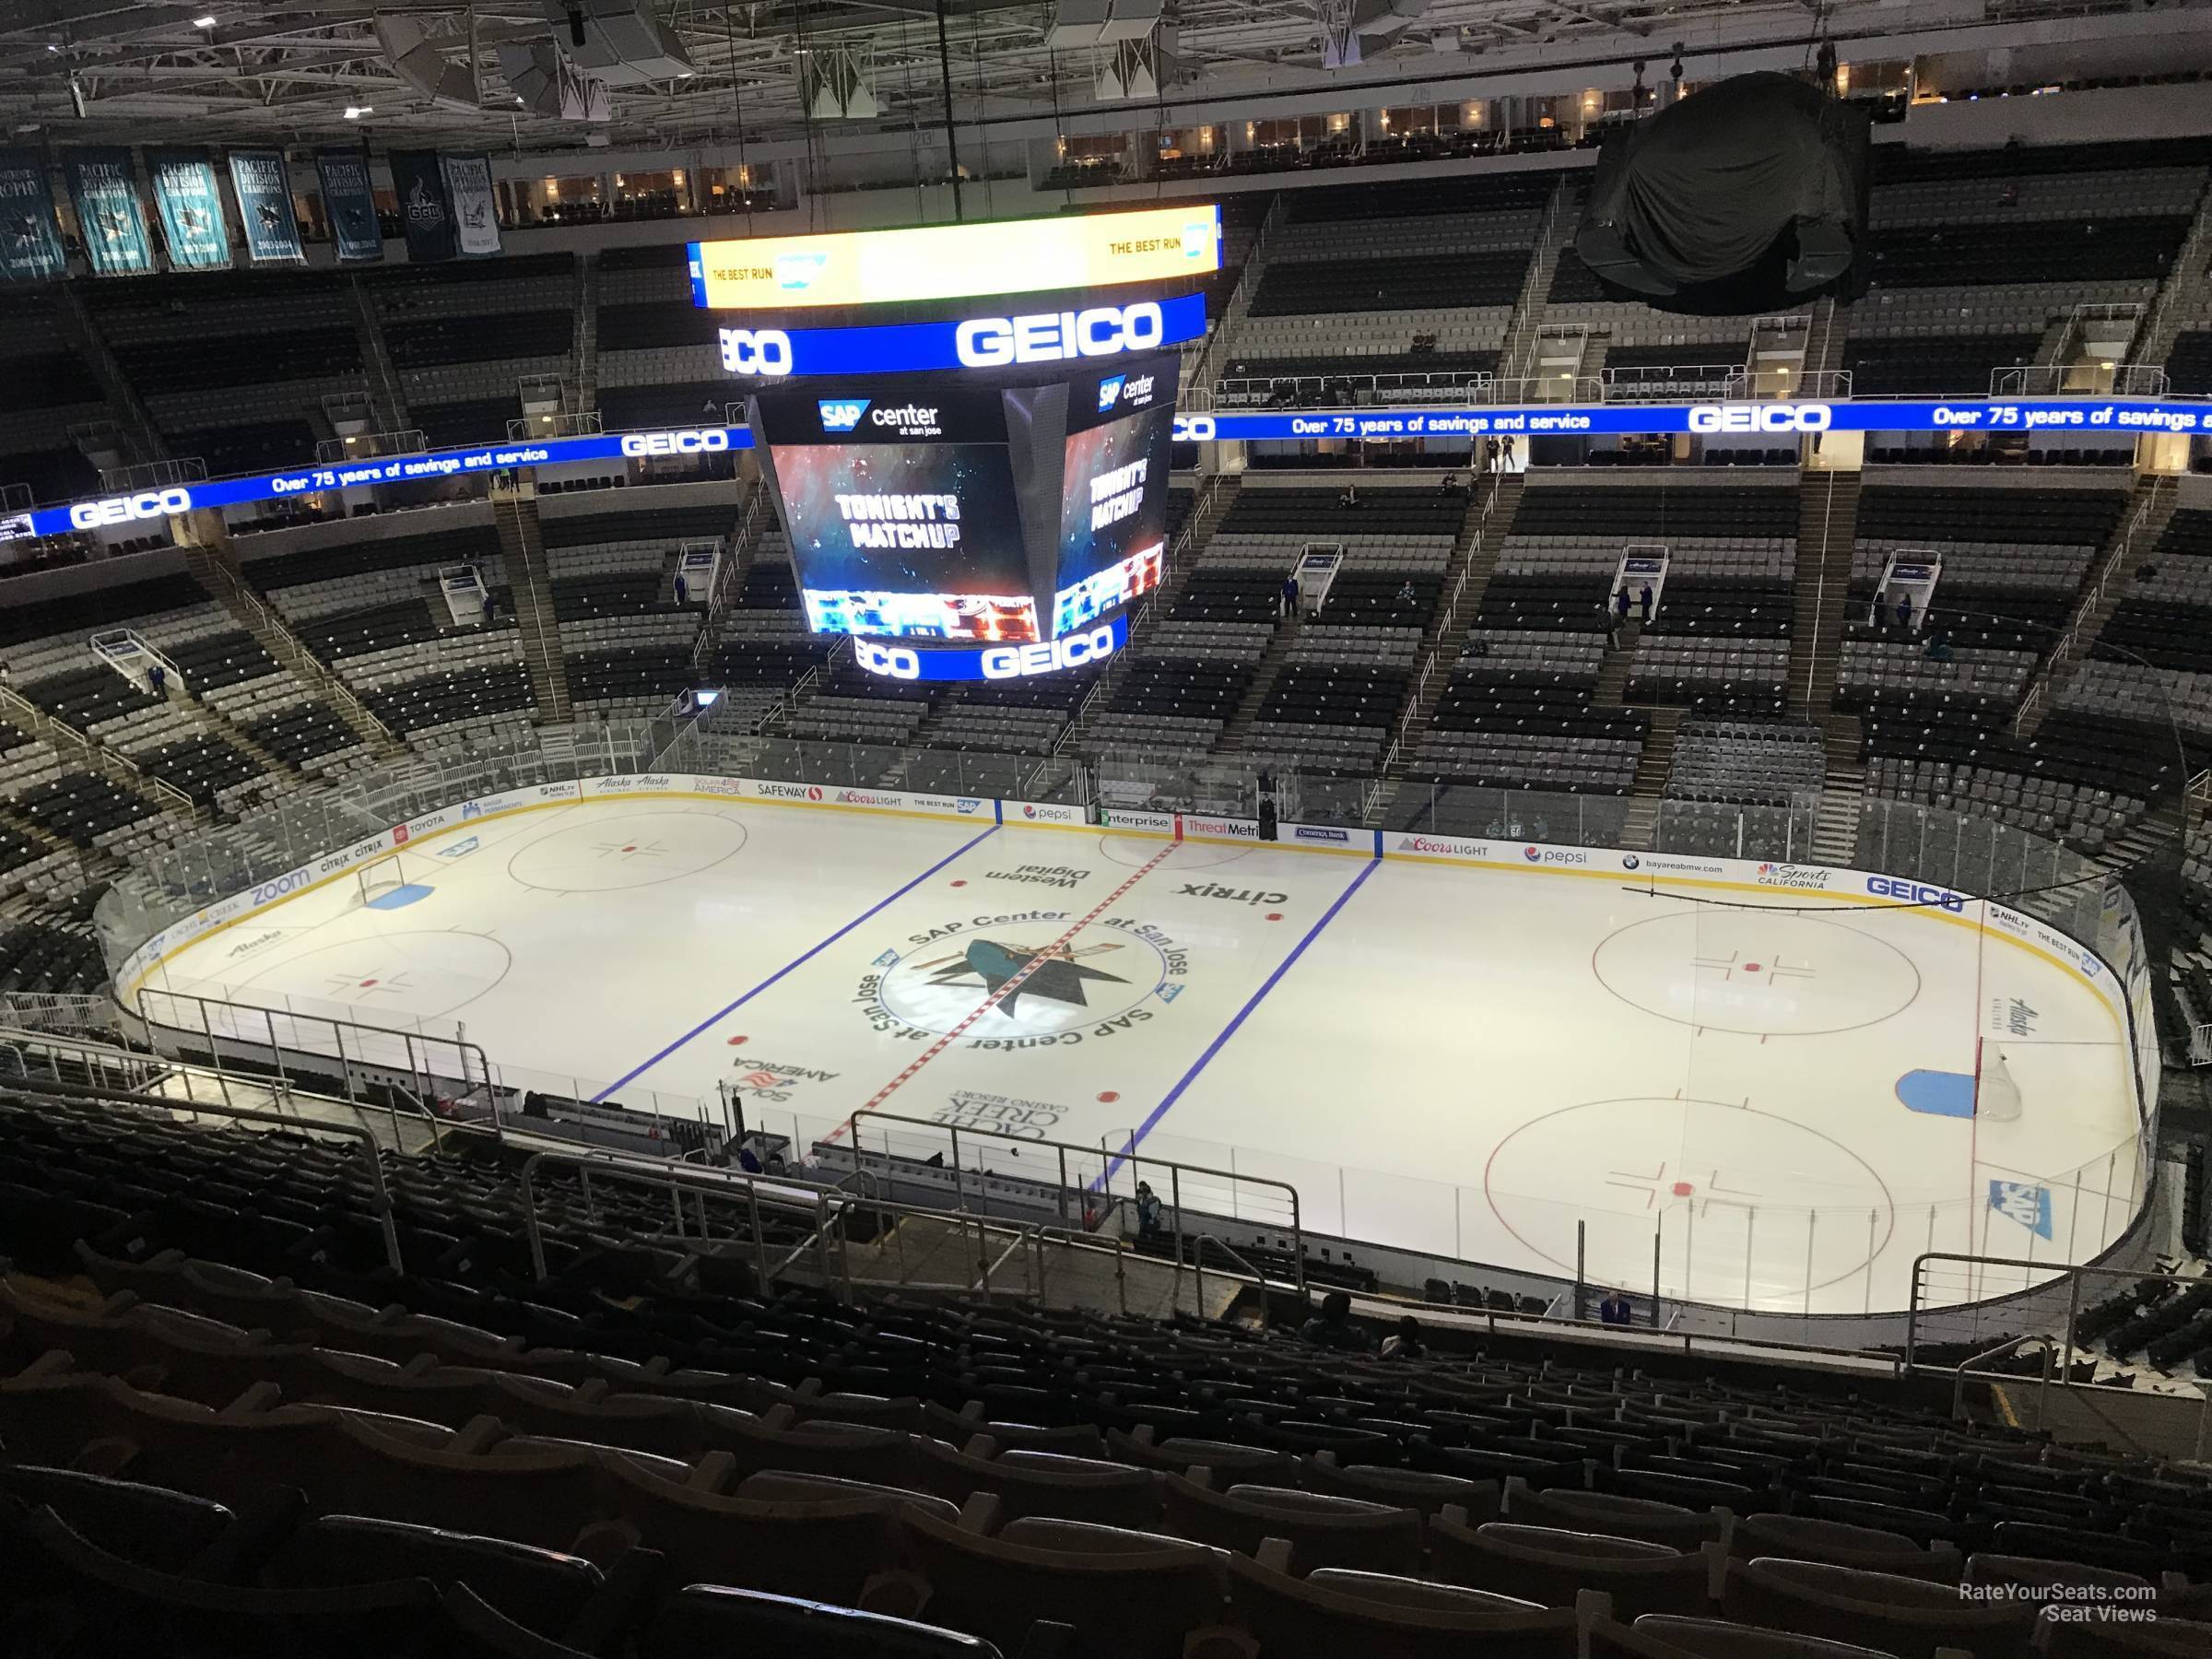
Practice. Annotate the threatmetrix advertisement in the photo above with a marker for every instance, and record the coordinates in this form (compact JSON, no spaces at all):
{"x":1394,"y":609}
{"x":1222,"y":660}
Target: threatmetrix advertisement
{"x":902,"y":512}
{"x":942,"y":262}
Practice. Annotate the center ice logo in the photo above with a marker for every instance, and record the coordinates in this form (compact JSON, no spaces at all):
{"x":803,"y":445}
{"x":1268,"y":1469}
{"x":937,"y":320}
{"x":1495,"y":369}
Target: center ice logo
{"x":1023,"y":980}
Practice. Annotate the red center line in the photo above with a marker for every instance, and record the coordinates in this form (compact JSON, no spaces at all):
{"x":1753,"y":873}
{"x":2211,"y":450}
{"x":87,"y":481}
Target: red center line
{"x":995,"y":997}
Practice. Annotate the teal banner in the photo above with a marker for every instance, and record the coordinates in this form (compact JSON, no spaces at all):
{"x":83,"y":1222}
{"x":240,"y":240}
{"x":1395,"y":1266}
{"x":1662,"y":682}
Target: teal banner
{"x":265,"y":206}
{"x":191,"y":206}
{"x":103,"y":188}
{"x":31,"y":242}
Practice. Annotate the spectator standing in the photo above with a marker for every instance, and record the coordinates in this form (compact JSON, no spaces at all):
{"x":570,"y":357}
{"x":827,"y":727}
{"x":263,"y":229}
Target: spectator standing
{"x":1620,"y":604}
{"x":1147,"y":1211}
{"x":1644,"y":602}
{"x":158,"y":678}
{"x":1616,"y":1310}
{"x":1904,"y":613}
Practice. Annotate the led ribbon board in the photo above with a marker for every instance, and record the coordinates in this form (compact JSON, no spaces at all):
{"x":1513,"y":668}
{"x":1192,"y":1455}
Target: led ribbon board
{"x":2121,"y":418}
{"x":947,"y":262}
{"x":1016,"y":339}
{"x":902,"y":660}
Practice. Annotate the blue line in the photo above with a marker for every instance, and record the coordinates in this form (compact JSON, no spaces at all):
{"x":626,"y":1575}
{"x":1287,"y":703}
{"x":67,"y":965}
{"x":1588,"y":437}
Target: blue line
{"x":797,"y":961}
{"x":1228,"y":1030}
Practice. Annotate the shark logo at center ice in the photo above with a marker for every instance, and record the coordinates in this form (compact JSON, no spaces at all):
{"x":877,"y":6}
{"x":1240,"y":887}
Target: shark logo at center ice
{"x":1024,"y":978}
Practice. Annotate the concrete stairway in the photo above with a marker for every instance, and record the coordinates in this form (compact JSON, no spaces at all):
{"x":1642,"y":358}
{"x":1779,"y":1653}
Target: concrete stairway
{"x":1836,"y":831}
{"x":133,"y":419}
{"x":385,"y":400}
{"x":514,"y":516}
{"x":1239,"y":729}
{"x":1481,"y":539}
{"x":2186,"y":294}
{"x":231,"y":732}
{"x":1828,"y":523}
{"x":2152,"y":504}
{"x":1560,"y":216}
{"x":212,"y":568}
{"x":586,"y":346}
{"x":83,"y":752}
{"x":1654,"y":767}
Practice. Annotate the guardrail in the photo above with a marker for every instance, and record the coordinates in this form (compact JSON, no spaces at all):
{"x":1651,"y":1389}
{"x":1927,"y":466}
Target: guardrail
{"x":2071,"y":642}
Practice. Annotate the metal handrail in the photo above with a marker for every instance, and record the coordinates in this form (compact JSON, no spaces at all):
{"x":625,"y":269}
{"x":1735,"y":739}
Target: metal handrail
{"x":1176,"y":1169}
{"x":2011,"y":1345}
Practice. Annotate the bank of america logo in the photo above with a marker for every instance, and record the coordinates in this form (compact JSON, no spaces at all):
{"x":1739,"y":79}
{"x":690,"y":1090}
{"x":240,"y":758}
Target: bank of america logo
{"x":1109,"y":390}
{"x":841,"y":415}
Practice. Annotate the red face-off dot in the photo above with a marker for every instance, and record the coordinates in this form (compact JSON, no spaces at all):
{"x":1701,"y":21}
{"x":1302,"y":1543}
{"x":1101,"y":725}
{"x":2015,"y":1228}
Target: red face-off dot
{"x":1683,"y":1189}
{"x":737,"y":1042}
{"x":1274,"y":915}
{"x":960,"y":883}
{"x":1750,"y":966}
{"x":1110,"y":1095}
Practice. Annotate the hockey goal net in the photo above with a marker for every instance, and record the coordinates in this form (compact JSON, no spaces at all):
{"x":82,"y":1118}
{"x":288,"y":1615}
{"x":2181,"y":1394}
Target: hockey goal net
{"x":1996,"y":1095}
{"x":381,"y":876}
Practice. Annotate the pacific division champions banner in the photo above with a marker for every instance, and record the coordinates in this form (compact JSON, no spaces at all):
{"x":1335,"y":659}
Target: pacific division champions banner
{"x":476,"y":215}
{"x":31,"y":242}
{"x":191,"y":206}
{"x":265,"y":206}
{"x":349,"y":200}
{"x":423,"y":207}
{"x":103,"y":187}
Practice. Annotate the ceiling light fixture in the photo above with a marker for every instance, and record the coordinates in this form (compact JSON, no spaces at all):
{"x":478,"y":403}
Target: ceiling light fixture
{"x":354,"y":111}
{"x":203,"y":22}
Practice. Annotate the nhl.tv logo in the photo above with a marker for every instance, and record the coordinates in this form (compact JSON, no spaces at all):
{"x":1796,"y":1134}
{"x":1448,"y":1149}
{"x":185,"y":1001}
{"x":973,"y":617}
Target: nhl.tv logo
{"x":841,"y":415}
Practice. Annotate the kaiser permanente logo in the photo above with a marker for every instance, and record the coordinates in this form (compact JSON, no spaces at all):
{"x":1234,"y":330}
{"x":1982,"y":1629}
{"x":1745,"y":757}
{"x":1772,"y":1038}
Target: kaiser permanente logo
{"x":841,"y":415}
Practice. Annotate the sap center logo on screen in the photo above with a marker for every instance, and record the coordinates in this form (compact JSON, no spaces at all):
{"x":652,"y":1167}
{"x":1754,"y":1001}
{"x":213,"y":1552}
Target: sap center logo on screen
{"x":1109,"y":389}
{"x":841,"y":415}
{"x":797,"y":271}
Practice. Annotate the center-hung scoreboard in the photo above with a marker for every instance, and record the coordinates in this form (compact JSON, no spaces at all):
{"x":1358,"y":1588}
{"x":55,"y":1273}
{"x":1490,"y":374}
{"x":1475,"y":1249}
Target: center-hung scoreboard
{"x":977,"y":489}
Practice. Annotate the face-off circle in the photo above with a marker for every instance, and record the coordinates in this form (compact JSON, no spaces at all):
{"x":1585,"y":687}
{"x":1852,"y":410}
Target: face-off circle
{"x":631,"y":849}
{"x":395,"y":977}
{"x":1725,"y":1185}
{"x":1045,"y":983}
{"x":1134,"y":851}
{"x":1759,"y":972}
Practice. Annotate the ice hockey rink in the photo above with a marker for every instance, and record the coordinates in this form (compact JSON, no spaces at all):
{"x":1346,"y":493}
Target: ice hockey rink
{"x":1770,"y":1090}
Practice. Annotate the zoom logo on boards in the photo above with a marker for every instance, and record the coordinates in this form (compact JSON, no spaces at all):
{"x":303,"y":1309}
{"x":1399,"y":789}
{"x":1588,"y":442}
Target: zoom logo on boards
{"x":841,"y":415}
{"x":762,"y":351}
{"x":1761,"y":418}
{"x":1102,"y":331}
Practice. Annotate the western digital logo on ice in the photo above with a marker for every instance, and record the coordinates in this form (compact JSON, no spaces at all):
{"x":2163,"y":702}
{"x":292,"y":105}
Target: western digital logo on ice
{"x":841,"y":415}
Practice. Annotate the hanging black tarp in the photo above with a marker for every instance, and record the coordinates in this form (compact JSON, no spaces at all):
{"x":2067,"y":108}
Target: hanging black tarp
{"x":1749,"y":196}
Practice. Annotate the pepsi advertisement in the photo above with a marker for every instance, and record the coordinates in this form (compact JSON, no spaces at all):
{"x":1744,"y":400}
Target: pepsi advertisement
{"x":900,"y":501}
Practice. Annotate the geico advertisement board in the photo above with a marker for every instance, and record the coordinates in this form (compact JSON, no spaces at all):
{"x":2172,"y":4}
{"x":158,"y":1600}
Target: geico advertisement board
{"x":988,"y":342}
{"x":943,"y":262}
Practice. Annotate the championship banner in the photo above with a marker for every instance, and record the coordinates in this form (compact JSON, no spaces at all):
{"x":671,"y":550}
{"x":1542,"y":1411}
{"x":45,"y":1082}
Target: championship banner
{"x":475,"y":213}
{"x":191,"y":206}
{"x":103,"y":187}
{"x":349,"y":202}
{"x":264,"y":189}
{"x":31,"y":242}
{"x":424,"y":209}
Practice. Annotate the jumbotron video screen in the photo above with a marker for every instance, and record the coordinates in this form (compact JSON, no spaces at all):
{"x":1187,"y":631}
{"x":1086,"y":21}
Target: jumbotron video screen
{"x":940,"y":511}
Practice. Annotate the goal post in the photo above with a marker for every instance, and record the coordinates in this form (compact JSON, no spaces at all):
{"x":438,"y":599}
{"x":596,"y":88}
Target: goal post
{"x":381,"y":875}
{"x":1996,"y":1094}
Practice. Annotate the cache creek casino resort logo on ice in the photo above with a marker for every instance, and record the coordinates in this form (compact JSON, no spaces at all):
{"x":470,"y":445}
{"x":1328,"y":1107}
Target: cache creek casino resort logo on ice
{"x":1047,"y":986}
